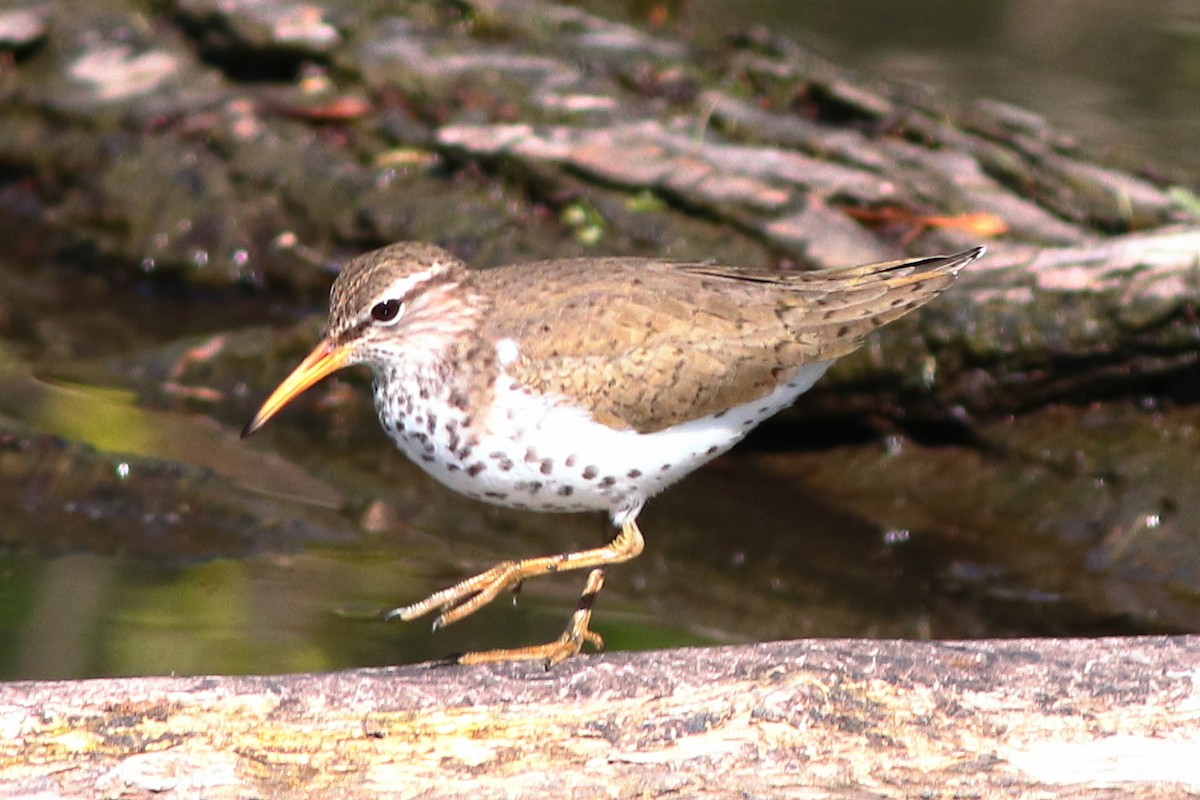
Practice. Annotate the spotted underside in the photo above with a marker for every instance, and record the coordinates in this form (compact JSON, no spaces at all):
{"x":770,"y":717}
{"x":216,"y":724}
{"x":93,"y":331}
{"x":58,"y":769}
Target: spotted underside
{"x":545,"y":453}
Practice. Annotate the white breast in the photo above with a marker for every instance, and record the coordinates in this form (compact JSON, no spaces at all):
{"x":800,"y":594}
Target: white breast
{"x":546,"y":453}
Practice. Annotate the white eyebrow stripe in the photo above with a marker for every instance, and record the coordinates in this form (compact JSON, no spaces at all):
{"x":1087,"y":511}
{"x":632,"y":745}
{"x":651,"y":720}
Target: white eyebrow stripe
{"x":406,"y":283}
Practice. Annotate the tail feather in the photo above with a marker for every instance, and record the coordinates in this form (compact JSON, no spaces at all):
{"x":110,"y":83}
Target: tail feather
{"x":873,"y":295}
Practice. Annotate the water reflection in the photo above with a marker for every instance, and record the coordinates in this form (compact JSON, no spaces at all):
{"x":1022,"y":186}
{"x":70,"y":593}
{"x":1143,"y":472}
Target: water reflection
{"x":82,"y":615}
{"x":110,"y":420}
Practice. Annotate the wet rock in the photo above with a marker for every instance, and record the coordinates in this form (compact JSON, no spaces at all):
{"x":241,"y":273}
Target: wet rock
{"x":23,"y":29}
{"x":399,"y":53}
{"x":241,"y":29}
{"x":280,"y":121}
{"x":964,"y":182}
{"x":827,"y":237}
{"x":713,"y":175}
{"x":116,"y":72}
{"x":1105,"y":198}
{"x":997,"y":120}
{"x":101,"y":67}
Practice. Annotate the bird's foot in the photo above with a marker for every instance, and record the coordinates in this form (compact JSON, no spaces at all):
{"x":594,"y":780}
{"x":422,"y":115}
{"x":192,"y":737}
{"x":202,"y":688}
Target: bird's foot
{"x":576,"y":635}
{"x":465,"y":597}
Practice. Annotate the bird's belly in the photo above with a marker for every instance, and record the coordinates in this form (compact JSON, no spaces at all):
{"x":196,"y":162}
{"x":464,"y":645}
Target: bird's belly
{"x":546,"y":454}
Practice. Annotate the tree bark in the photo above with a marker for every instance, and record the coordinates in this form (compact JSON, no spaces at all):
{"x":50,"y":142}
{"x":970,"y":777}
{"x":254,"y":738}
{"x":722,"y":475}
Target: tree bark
{"x":823,"y":718}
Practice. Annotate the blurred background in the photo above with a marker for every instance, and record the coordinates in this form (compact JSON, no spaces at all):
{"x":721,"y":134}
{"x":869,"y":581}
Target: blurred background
{"x":1121,"y":76}
{"x":179,"y":181}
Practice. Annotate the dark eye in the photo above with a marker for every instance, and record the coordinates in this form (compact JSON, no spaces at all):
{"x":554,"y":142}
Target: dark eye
{"x":386,"y":311}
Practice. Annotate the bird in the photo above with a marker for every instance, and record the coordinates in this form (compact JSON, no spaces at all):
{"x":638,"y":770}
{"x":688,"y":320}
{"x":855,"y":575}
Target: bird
{"x":586,"y":384}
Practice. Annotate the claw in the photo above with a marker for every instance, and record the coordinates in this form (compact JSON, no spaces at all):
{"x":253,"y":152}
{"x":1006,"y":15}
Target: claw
{"x":466,"y":597}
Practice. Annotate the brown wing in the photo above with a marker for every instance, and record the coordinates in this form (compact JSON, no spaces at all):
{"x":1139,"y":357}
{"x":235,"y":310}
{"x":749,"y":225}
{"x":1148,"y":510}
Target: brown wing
{"x":655,"y":343}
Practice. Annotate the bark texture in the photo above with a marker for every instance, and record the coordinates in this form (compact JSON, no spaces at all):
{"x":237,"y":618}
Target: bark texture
{"x":821,"y":718}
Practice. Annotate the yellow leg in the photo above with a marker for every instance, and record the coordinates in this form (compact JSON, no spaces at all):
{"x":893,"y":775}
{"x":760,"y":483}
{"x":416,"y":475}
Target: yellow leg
{"x":474,"y":593}
{"x":570,"y":643}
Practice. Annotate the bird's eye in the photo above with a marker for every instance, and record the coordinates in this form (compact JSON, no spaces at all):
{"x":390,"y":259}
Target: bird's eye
{"x":387,"y":311}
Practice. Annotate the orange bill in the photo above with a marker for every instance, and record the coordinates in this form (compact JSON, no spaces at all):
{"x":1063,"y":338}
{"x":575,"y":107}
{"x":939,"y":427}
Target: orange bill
{"x":323,"y":360}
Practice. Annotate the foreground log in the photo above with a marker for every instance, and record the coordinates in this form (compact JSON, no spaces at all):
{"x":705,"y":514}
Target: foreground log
{"x":829,"y":718}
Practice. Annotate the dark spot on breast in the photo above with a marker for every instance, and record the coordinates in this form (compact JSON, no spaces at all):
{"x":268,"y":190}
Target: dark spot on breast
{"x":453,"y":442}
{"x":398,"y":426}
{"x":424,"y":393}
{"x":496,"y":495}
{"x":496,"y":454}
{"x":530,"y":455}
{"x":431,"y":423}
{"x":453,"y":467}
{"x":566,"y":491}
{"x":506,"y":464}
{"x":547,"y":466}
{"x":571,"y":460}
{"x":459,"y":400}
{"x":589,"y":473}
{"x":608,"y":482}
{"x":665,"y":467}
{"x":476,"y":468}
{"x":711,"y":450}
{"x":634,"y":473}
{"x":720,"y":414}
{"x":532,"y":487}
{"x":428,"y":459}
{"x":843,"y":331}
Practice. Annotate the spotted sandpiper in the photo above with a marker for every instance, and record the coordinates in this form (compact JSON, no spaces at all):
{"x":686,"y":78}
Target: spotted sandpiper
{"x":586,"y":384}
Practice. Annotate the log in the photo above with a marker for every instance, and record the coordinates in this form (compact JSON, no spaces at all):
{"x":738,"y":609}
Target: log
{"x":1117,"y":717}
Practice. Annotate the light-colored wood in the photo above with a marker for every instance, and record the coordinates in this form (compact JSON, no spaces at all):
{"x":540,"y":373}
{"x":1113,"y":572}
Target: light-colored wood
{"x":828,"y":718}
